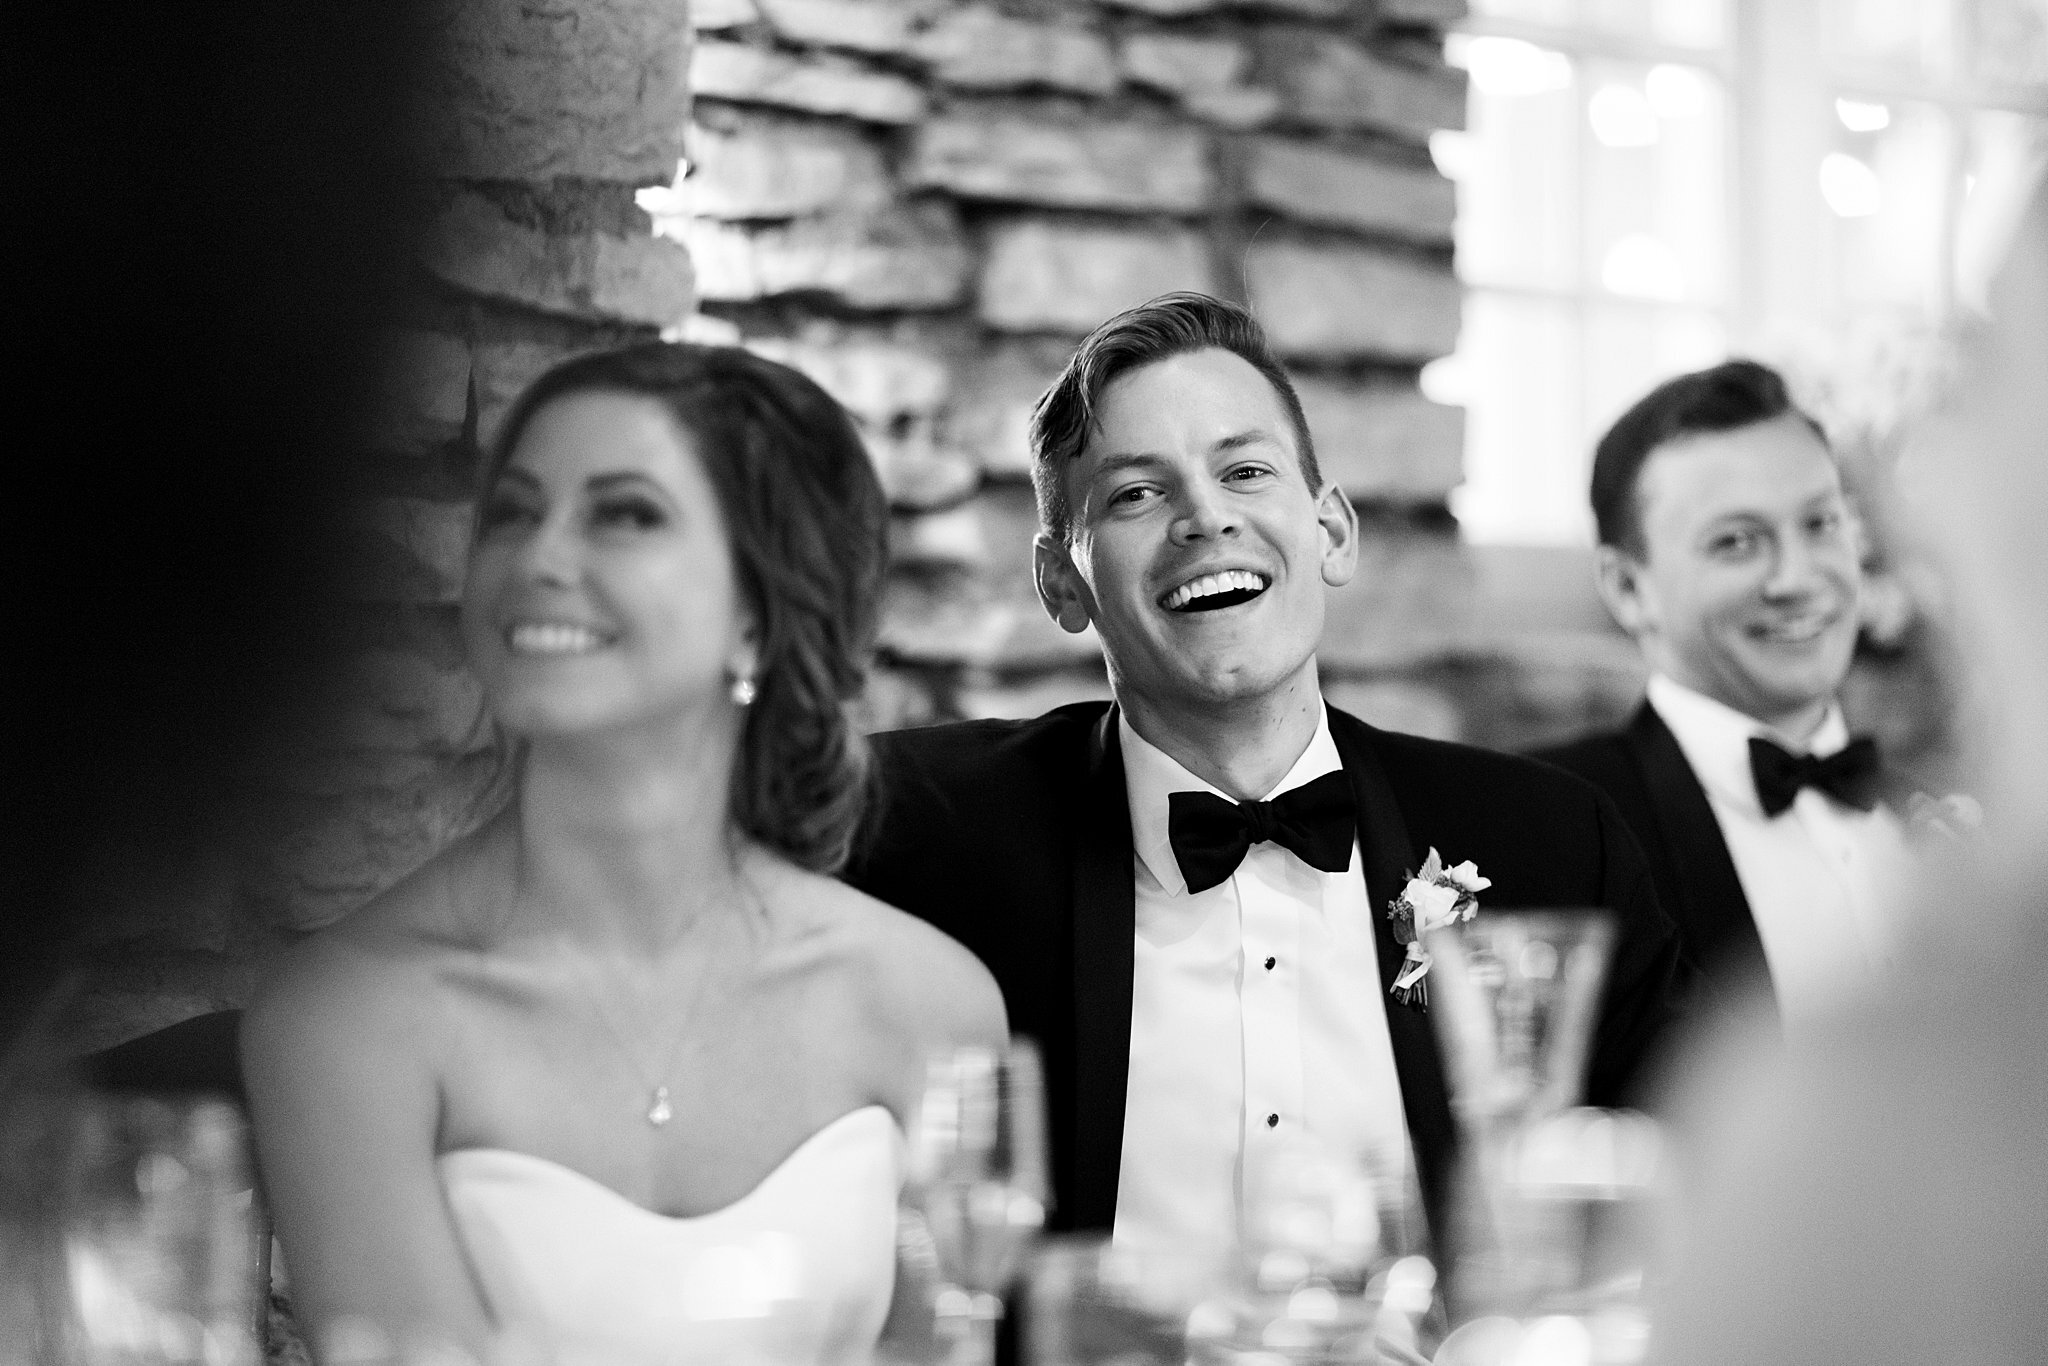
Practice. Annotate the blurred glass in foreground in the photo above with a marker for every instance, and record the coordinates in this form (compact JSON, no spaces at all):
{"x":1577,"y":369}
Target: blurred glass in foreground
{"x":1557,"y":1212}
{"x":979,"y":1184}
{"x":153,"y":1253}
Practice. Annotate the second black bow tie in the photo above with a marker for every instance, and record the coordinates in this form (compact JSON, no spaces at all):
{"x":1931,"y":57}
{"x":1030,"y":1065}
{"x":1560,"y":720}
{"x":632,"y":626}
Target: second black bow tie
{"x":1849,"y":775}
{"x":1318,"y":821}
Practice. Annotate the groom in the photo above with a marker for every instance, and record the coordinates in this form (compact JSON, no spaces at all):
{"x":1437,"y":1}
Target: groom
{"x":1209,"y":980}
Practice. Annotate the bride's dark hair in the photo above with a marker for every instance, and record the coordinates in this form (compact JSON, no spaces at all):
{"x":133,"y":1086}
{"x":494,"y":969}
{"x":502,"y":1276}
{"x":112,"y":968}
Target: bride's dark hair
{"x":808,"y":525}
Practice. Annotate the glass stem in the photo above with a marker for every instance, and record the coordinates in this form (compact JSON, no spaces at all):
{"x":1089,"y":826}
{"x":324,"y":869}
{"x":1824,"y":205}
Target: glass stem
{"x":982,"y":1320}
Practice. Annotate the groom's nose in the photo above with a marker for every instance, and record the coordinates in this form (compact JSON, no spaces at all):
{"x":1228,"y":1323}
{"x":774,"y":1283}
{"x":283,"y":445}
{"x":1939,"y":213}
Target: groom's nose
{"x":1202,"y":511}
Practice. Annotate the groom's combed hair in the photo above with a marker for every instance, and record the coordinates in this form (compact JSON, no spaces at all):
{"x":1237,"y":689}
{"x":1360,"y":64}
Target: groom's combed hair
{"x":808,"y":524}
{"x":1170,"y":325}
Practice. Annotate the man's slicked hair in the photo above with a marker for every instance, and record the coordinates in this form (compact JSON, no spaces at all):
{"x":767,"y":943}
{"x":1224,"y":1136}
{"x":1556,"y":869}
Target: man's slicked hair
{"x":1722,"y":398}
{"x":1170,"y":325}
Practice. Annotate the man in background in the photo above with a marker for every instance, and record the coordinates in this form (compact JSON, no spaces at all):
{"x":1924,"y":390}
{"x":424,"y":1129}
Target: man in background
{"x":1728,"y":552}
{"x":1882,"y":1196}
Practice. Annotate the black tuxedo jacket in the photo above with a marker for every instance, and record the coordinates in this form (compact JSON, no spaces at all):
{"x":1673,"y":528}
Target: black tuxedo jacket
{"x":1014,"y":837}
{"x":1721,"y":965}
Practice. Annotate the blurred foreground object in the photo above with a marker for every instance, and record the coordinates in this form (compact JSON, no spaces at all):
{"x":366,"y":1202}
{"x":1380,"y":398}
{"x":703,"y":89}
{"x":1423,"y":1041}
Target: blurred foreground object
{"x":1882,"y":1195}
{"x":1091,"y":1300}
{"x":979,"y":1184}
{"x":152,"y":1256}
{"x":1557,"y":1211}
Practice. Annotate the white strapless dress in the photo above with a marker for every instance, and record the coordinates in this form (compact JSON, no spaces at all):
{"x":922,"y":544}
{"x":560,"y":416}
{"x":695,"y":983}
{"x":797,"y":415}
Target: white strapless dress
{"x":797,"y":1272}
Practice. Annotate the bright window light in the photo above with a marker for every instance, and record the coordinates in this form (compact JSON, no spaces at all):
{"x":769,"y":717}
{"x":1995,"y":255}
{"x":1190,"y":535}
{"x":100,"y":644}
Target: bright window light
{"x":1453,"y":152}
{"x":1444,"y":380}
{"x":1622,"y":116}
{"x":1640,"y":266}
{"x":1676,"y":92}
{"x":1862,"y":116}
{"x":1849,"y":186}
{"x":1509,"y":66}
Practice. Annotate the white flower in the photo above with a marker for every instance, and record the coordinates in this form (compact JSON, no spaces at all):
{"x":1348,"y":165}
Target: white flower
{"x":1466,"y":875}
{"x":1431,"y":903}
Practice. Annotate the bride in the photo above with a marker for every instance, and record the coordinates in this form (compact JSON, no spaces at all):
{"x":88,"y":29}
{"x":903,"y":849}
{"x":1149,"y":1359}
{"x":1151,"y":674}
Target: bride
{"x":619,"y":1078}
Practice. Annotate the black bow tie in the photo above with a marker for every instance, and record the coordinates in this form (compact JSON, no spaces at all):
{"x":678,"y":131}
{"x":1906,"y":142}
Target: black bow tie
{"x":1318,"y":821}
{"x":1849,"y":775}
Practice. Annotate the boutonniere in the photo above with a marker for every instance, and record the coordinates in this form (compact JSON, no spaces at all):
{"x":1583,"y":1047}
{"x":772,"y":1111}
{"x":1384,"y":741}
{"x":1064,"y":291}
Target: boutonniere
{"x":1937,"y":822}
{"x":1434,"y":896}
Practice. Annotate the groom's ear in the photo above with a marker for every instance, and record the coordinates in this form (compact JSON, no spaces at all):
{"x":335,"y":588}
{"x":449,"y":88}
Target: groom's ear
{"x":1339,"y":521}
{"x":1060,"y":586}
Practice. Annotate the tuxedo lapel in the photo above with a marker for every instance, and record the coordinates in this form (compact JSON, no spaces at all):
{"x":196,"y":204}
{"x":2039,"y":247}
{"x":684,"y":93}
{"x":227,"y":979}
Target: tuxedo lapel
{"x":1389,"y":857}
{"x":1712,"y":913}
{"x":1105,"y":929}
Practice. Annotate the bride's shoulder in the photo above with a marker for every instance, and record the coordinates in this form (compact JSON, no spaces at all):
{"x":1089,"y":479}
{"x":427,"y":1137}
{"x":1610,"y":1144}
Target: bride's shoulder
{"x":379,"y":970}
{"x":917,"y":973}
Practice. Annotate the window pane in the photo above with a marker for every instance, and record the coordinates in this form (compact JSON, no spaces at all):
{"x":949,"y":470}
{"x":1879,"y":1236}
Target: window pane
{"x":1525,"y":462}
{"x":1913,"y":37}
{"x":2003,"y":157}
{"x":1540,"y":380}
{"x":1517,"y":189}
{"x":1888,"y":190}
{"x":1686,"y":23}
{"x":1528,"y":11}
{"x":1629,"y":351}
{"x":2011,"y":41}
{"x":1656,"y":203}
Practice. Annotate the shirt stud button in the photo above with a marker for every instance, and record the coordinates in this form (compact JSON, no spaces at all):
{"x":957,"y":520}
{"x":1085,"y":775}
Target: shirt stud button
{"x":1270,"y":962}
{"x":1272,"y":1121}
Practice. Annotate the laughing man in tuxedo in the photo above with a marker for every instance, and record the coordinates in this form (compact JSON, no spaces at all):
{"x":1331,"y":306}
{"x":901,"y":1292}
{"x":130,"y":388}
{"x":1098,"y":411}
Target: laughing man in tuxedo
{"x":1207,"y":979}
{"x":1726,"y":551}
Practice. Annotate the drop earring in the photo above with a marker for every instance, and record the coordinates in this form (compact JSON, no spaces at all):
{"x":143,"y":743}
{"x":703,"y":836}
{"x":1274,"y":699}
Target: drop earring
{"x":743,"y":691}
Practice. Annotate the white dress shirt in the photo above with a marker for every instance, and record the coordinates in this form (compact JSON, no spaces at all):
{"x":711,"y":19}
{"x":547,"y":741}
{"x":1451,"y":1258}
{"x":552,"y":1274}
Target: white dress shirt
{"x":1255,"y":1019}
{"x":1822,"y":879}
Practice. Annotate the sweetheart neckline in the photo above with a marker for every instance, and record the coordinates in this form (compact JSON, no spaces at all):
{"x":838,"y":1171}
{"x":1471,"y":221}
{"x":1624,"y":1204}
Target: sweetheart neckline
{"x":585,"y":1179}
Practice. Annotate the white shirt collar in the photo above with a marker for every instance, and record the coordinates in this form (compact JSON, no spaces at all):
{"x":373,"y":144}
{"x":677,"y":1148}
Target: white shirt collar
{"x":1715,"y":738}
{"x":1151,"y":776}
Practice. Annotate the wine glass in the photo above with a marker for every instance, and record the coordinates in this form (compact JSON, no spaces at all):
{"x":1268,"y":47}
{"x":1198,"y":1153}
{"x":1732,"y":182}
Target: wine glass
{"x":160,"y":1243}
{"x":1331,"y":1258}
{"x":1090,"y":1299}
{"x":1514,"y":997}
{"x":979,"y":1180}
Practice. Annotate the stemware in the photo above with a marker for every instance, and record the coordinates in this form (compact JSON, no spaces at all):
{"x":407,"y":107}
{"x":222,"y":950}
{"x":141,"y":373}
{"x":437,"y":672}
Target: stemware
{"x":979,"y":1180}
{"x":1514,"y":996}
{"x":159,"y":1241}
{"x":1331,"y":1264}
{"x":1090,"y":1300}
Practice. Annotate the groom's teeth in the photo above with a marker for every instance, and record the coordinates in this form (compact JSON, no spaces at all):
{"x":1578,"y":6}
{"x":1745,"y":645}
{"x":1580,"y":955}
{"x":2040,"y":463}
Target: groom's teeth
{"x":1794,"y":632}
{"x":1226,"y":581}
{"x":552,"y":638}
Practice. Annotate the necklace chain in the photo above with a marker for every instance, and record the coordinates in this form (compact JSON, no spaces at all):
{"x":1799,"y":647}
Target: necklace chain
{"x":659,"y":1110}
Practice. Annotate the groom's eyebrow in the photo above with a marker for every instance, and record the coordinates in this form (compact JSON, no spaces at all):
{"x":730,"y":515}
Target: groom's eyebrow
{"x":1124,"y":460}
{"x":1238,"y":441}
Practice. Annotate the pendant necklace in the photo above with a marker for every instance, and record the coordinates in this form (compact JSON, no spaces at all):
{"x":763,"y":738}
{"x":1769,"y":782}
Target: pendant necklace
{"x":659,"y":1111}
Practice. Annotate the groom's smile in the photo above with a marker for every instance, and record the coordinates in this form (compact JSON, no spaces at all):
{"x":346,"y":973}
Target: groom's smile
{"x":1211,"y":592}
